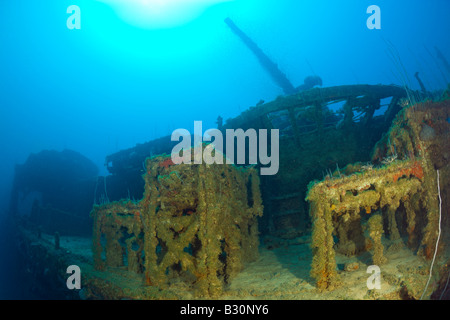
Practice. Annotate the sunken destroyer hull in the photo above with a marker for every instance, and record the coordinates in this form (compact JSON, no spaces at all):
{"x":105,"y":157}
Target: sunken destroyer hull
{"x":354,"y":190}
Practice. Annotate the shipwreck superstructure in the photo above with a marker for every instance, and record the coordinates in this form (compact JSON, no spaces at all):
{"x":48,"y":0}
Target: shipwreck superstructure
{"x":313,"y":140}
{"x":363,"y":181}
{"x":342,"y":190}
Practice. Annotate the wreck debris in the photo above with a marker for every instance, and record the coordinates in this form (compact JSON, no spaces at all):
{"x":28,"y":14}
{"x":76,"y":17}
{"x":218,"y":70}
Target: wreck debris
{"x":405,"y":184}
{"x":336,"y":204}
{"x":407,"y":134}
{"x":115,"y":223}
{"x":376,"y":231}
{"x":195,"y":222}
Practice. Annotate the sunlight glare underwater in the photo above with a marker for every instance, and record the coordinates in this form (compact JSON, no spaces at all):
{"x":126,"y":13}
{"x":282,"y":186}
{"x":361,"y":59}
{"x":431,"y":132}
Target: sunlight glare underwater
{"x":155,"y":14}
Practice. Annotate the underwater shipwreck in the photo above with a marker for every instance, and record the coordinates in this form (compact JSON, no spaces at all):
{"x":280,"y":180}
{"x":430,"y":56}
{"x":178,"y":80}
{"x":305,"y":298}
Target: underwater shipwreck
{"x":356,"y":188}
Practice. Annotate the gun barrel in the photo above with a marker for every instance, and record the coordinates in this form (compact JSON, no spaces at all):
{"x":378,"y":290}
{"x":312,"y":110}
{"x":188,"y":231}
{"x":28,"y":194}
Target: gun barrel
{"x":278,"y":76}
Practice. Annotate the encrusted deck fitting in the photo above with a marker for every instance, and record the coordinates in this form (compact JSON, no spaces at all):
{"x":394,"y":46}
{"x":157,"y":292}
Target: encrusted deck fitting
{"x":196,"y":223}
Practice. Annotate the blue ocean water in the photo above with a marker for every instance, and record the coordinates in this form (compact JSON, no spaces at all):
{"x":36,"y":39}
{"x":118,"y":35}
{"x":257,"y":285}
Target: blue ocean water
{"x":126,"y":77}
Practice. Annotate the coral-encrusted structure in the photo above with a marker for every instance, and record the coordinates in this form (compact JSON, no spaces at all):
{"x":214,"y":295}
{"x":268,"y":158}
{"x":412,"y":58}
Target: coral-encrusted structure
{"x":403,"y":189}
{"x":196,"y":223}
{"x":376,"y":231}
{"x":337,"y":203}
{"x":120,"y":225}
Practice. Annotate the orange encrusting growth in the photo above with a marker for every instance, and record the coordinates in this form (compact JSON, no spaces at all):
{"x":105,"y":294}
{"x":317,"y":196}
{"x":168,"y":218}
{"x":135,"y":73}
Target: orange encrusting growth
{"x":166,"y":163}
{"x":415,"y":170}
